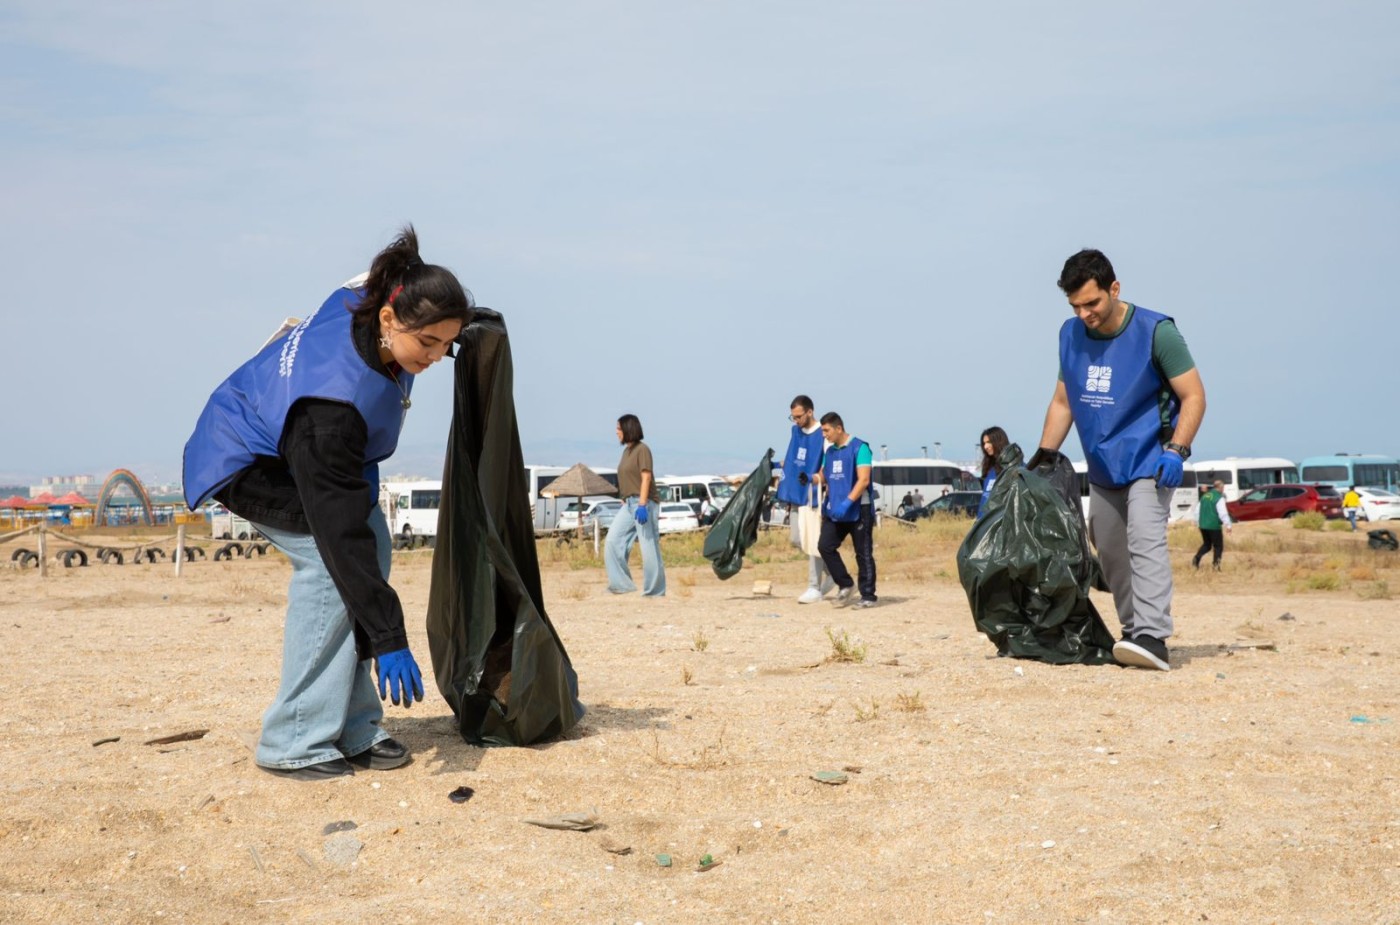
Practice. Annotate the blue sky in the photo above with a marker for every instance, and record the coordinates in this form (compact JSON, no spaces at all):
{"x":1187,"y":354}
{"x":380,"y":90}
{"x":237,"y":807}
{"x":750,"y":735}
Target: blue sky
{"x":693,"y":212}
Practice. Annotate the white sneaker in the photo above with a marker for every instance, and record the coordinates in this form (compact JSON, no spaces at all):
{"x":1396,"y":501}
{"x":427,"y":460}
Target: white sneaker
{"x":810,"y":596}
{"x":843,"y":597}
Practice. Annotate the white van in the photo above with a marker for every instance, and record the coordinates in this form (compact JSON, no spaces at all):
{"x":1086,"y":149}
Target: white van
{"x":1183,"y":498}
{"x":692,"y":489}
{"x":412,"y":507}
{"x":545,"y":511}
{"x":931,"y":478}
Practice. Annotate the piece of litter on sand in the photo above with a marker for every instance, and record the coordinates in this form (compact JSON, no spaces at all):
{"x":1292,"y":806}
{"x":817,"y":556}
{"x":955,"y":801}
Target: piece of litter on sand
{"x":1363,"y":718}
{"x":613,"y":846}
{"x":663,"y":860}
{"x":1286,"y":616}
{"x":345,"y":825}
{"x":576,"y":822}
{"x":830,"y":777}
{"x":461,"y":794}
{"x":707,"y":862}
{"x":189,"y":736}
{"x":1264,"y":646}
{"x":106,"y":741}
{"x":763,"y":588}
{"x":256,"y":859}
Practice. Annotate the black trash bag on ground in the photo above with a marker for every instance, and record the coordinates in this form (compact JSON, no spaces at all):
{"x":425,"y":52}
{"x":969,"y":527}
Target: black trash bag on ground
{"x":1027,"y":568}
{"x":499,"y":663}
{"x":736,"y":527}
{"x":1382,"y":539}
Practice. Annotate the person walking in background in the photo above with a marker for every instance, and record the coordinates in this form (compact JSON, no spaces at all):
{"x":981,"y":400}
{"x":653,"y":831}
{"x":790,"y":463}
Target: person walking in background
{"x":796,"y":488}
{"x":1130,"y":388}
{"x":636,"y":519}
{"x":849,"y":510}
{"x":994,"y":440}
{"x":292,"y":441}
{"x":1213,"y":518}
{"x":1351,"y":506}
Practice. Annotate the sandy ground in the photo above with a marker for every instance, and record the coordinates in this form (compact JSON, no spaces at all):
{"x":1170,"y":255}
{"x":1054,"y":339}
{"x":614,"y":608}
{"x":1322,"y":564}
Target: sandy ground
{"x":1256,"y":782}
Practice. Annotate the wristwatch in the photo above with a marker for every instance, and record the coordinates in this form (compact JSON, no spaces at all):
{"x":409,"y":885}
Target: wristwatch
{"x":1183,"y":451}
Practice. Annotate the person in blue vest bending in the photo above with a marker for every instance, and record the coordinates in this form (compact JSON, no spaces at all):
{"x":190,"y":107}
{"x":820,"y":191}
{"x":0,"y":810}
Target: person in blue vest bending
{"x":292,"y":441}
{"x":797,"y":488}
{"x":1131,"y":390}
{"x":849,"y":510}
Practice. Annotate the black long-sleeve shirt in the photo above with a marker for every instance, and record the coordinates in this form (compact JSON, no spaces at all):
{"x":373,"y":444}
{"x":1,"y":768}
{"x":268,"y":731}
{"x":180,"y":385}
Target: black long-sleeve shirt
{"x":317,"y":485}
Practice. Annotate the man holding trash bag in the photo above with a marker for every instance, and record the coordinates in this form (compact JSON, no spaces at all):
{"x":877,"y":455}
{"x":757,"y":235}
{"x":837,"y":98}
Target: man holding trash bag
{"x":795,"y":486}
{"x":1129,"y":386}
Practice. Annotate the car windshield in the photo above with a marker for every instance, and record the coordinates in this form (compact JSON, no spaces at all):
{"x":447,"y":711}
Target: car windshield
{"x":720,"y":490}
{"x":676,"y":508}
{"x":1327,"y":491}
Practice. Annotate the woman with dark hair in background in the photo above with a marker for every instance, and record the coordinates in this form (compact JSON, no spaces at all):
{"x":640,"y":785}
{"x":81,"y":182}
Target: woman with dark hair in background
{"x":636,"y":521}
{"x":292,"y":441}
{"x":994,"y":440}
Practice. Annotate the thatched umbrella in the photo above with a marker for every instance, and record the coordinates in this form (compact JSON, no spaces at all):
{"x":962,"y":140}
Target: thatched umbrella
{"x":578,"y":482}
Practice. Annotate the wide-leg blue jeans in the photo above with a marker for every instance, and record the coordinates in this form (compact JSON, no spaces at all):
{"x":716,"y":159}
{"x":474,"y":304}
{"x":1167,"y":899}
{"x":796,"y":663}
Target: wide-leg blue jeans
{"x":326,"y":706}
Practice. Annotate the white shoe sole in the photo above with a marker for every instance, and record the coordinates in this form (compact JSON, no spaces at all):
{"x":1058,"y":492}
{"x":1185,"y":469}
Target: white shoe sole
{"x":809,"y":596}
{"x":1135,"y":656}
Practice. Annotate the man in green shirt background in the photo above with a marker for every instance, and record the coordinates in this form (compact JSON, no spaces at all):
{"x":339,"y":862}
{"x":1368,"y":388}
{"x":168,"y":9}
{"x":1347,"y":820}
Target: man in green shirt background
{"x":1213,"y":518}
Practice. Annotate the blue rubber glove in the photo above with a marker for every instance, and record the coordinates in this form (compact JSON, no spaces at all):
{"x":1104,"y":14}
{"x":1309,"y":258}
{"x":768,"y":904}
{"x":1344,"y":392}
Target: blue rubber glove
{"x":400,"y":672}
{"x":1169,"y":469}
{"x":640,"y":514}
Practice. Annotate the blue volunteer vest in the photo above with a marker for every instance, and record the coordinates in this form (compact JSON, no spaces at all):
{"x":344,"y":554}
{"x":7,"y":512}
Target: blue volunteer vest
{"x":988,"y":481}
{"x":317,"y":359}
{"x":1114,"y":392}
{"x":804,"y":454}
{"x":839,"y":470}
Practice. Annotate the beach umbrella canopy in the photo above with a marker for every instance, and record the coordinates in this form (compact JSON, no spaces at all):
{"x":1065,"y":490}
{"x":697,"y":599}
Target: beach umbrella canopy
{"x":45,"y":498}
{"x":14,"y":501}
{"x":73,"y":498}
{"x":578,"y":482}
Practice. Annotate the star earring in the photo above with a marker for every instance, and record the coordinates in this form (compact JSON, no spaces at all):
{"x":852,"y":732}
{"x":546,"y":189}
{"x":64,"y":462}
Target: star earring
{"x":384,"y":342}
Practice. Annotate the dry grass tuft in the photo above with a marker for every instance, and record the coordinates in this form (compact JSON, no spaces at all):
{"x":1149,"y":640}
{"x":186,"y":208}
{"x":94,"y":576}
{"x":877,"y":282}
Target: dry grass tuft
{"x":843,"y":648}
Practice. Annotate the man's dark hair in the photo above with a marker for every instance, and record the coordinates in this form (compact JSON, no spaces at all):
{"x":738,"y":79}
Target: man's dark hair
{"x":1084,"y":266}
{"x":831,"y":417}
{"x":801,"y":401}
{"x":631,"y":429}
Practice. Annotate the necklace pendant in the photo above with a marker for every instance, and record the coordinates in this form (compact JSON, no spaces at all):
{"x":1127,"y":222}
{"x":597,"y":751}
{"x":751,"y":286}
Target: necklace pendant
{"x":407,"y":403}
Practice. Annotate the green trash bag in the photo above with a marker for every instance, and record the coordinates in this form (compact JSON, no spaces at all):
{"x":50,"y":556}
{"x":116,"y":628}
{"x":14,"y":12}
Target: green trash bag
{"x":1027,"y":568}
{"x":499,"y":663}
{"x":736,"y":528}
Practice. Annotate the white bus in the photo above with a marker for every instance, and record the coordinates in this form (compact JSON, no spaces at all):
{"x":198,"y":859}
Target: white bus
{"x":1245,"y":473}
{"x":412,"y":507}
{"x":894,"y":478}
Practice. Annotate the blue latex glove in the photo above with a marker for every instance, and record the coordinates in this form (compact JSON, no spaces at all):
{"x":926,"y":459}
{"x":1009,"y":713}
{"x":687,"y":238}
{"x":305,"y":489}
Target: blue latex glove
{"x":839,"y":506}
{"x":1169,"y":469}
{"x":640,"y":514}
{"x":400,"y":672}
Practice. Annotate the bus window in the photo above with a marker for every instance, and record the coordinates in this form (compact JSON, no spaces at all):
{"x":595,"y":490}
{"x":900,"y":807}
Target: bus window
{"x":426,"y":500}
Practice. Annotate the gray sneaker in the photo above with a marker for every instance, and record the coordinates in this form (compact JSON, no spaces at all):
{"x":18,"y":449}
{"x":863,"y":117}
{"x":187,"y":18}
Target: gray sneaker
{"x":866,"y":602}
{"x":843,"y":597}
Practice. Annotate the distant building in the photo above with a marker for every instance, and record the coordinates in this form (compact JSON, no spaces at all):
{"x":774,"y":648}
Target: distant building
{"x":59,"y":485}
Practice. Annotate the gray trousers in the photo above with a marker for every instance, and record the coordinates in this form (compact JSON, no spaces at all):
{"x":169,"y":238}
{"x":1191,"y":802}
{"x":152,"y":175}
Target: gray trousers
{"x":816,"y":568}
{"x":1128,"y":527}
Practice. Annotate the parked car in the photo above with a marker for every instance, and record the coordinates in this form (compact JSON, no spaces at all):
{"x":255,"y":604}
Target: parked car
{"x":1269,"y":501}
{"x":604,"y":509}
{"x":677,"y":517}
{"x":956,"y":503}
{"x":1379,"y":504}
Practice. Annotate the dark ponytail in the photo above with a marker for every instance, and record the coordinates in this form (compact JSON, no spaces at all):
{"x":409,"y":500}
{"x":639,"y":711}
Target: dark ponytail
{"x":420,"y":293}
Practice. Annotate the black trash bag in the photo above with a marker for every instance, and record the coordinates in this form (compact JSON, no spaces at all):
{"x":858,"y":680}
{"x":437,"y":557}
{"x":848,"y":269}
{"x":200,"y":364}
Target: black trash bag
{"x":736,"y":527}
{"x":499,"y":663}
{"x":1027,"y":568}
{"x":1382,"y":539}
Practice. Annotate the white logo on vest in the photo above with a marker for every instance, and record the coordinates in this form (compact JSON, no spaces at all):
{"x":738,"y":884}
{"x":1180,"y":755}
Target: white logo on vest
{"x":1096,"y":387}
